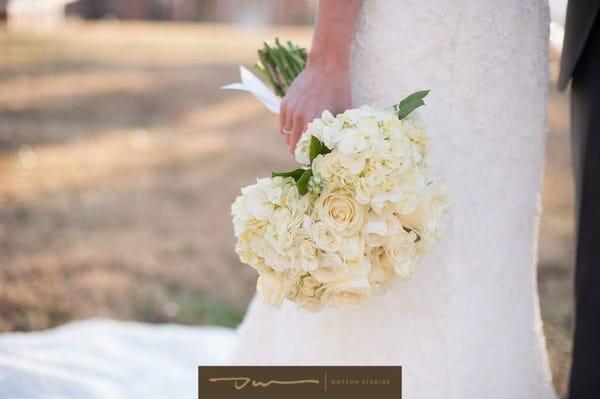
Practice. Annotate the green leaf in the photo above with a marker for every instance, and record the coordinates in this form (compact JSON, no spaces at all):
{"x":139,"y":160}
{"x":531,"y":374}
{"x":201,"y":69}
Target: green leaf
{"x":410,"y":103}
{"x":302,"y":183}
{"x":295,"y":174}
{"x":315,"y":148}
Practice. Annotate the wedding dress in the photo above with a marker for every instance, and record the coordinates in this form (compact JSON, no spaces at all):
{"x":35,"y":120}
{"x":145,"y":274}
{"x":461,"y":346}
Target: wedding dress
{"x":467,"y":325}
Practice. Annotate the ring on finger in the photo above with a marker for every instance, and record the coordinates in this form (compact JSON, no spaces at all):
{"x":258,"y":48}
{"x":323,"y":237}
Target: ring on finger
{"x":286,"y":131}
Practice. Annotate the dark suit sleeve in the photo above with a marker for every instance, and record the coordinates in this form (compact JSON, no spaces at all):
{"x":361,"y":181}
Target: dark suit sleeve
{"x":585,"y":125}
{"x":580,"y":18}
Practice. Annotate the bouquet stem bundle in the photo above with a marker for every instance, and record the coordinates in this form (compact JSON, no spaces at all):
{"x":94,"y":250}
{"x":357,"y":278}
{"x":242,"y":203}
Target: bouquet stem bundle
{"x":280,"y":64}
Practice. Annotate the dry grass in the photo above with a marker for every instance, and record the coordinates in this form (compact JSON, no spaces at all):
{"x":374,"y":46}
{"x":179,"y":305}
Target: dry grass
{"x":119,"y":158}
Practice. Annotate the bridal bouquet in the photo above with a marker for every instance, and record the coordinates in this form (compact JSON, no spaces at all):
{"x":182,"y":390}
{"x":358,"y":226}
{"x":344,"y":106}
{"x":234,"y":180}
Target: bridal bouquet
{"x":359,"y":212}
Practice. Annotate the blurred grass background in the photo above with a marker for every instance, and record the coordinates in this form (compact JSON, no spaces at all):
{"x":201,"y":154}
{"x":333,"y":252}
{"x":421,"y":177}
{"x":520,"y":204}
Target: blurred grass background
{"x":119,"y":157}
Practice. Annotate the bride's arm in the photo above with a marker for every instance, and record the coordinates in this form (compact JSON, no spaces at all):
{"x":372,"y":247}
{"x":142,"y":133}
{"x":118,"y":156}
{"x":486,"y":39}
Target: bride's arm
{"x":325,"y":83}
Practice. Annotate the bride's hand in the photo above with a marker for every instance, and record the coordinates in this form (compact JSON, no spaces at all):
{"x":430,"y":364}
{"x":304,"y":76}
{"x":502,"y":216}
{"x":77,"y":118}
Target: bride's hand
{"x":325,"y":83}
{"x":321,"y":86}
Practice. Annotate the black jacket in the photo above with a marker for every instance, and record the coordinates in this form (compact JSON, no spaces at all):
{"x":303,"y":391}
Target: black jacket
{"x":581,"y":15}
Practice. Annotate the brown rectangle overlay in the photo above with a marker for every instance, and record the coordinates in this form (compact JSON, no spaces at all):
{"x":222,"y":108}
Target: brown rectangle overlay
{"x":295,"y":382}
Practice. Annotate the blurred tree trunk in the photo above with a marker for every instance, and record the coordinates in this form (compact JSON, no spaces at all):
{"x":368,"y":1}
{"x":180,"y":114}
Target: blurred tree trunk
{"x":92,"y":9}
{"x":206,"y":10}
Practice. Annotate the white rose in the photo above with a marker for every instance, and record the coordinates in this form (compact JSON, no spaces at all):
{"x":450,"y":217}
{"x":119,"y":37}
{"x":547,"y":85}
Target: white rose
{"x":308,"y":286}
{"x":352,"y":247}
{"x":378,"y":227}
{"x":331,"y":267}
{"x":401,"y":254}
{"x":359,"y":267}
{"x":325,"y":238}
{"x":425,"y":217}
{"x":340,"y":211}
{"x":349,"y":293}
{"x":380,"y":277}
{"x":271,"y":288}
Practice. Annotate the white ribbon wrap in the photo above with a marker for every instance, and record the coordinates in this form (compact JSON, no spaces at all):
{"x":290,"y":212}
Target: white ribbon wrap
{"x":257,"y":88}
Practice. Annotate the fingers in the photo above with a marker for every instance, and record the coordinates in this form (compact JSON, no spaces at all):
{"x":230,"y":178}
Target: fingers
{"x":299,"y":126}
{"x":286,"y":121}
{"x":288,"y":127}
{"x":282,"y":116}
{"x":293,"y":120}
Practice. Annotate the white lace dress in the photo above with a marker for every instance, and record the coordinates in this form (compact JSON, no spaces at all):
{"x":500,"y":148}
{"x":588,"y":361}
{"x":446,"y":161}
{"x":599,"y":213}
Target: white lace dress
{"x":468,"y":324}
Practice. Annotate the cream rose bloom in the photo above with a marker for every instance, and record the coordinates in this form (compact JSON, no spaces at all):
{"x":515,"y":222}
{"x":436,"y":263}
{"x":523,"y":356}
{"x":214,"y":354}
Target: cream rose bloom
{"x":331,"y":267}
{"x":325,"y":238}
{"x":349,"y":293}
{"x":380,"y":276}
{"x":379,"y":227}
{"x":271,"y":287}
{"x":307,"y":294}
{"x":309,"y":285}
{"x":353,"y":247}
{"x":427,"y":214}
{"x":340,"y":211}
{"x":401,"y":254}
